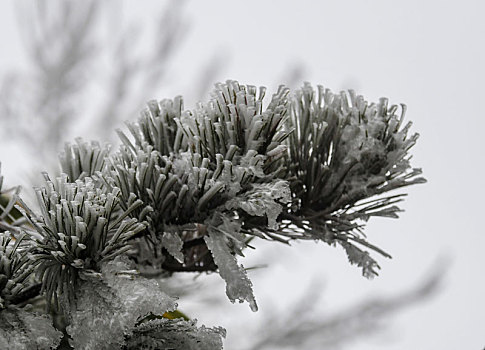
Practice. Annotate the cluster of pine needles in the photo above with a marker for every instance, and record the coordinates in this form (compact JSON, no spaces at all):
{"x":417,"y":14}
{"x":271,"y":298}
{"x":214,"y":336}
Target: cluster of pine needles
{"x":190,"y":190}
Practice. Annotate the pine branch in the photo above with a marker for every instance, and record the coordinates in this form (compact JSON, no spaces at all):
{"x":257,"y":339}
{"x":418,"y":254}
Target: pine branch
{"x":343,"y":154}
{"x":79,"y":229}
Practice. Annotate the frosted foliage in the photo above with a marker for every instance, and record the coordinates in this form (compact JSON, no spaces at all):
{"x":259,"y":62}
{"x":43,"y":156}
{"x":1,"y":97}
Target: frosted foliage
{"x":362,"y":259}
{"x":175,"y":335}
{"x":15,"y":268}
{"x":357,"y":140}
{"x":20,"y":329}
{"x":140,"y":295}
{"x":264,"y":199}
{"x":108,"y":309}
{"x":82,"y":159}
{"x":232,"y":229}
{"x":345,"y":154}
{"x":173,"y":243}
{"x":238,"y":285}
{"x":97,"y":320}
{"x":182,"y":163}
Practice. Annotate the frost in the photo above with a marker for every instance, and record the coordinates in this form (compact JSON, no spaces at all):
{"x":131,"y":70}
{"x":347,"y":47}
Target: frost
{"x":15,"y":268}
{"x":186,"y":183}
{"x":263,"y":199}
{"x":81,"y":226}
{"x":231,"y":228}
{"x":343,"y":153}
{"x":139,"y":295}
{"x":107,"y":309}
{"x":97,"y":318}
{"x":362,"y":259}
{"x":238,"y":285}
{"x":175,"y":335}
{"x":82,"y":159}
{"x":174,"y":244}
{"x":181,"y":163}
{"x":23,"y":330}
{"x":253,"y":162}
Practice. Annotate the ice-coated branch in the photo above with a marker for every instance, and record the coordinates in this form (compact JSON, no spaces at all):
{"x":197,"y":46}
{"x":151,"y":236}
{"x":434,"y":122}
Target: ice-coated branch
{"x":189,"y":190}
{"x":312,"y":165}
{"x":80,"y":228}
{"x":345,"y":155}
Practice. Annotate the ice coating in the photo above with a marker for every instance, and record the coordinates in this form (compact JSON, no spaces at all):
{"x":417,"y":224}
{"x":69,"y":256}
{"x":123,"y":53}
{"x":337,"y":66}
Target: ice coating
{"x":24,"y":330}
{"x":263,"y":199}
{"x":175,"y":334}
{"x":173,"y":243}
{"x":238,"y":285}
{"x":108,"y":308}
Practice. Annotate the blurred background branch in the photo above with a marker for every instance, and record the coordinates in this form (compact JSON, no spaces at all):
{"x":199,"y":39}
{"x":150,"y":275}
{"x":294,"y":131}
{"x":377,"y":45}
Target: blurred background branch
{"x":304,"y":327}
{"x":79,"y":81}
{"x":41,"y":104}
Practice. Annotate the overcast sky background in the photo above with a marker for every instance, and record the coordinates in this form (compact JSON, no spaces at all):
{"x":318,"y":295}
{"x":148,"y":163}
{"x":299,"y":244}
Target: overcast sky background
{"x":427,"y":54}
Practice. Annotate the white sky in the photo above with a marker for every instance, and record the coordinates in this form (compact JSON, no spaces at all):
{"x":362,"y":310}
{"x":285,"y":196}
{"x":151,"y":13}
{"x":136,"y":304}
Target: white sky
{"x":427,"y":54}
